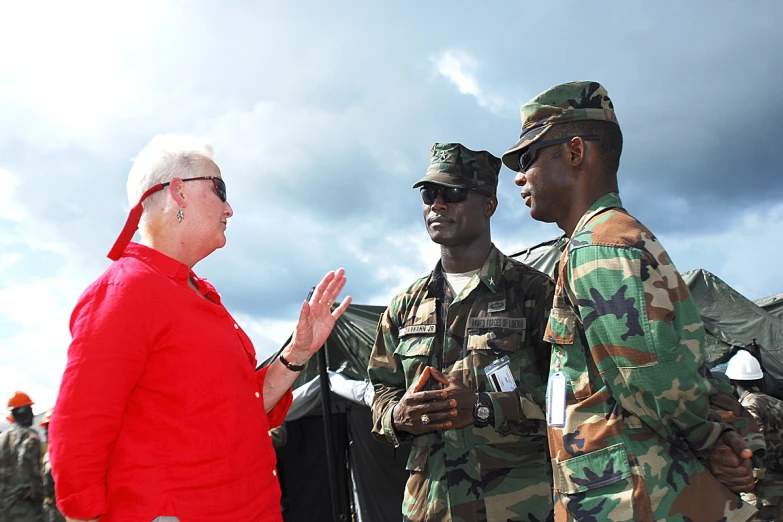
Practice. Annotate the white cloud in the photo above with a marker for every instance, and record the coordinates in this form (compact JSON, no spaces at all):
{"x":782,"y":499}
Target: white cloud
{"x":69,"y":69}
{"x":10,"y":210}
{"x":35,"y":306}
{"x":267,"y":335}
{"x":461,"y":68}
{"x":745,"y":255}
{"x":33,"y":354}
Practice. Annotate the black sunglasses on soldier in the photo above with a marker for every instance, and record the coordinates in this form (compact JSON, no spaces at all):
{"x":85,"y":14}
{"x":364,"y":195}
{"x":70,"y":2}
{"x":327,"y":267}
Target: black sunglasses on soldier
{"x":217,"y":183}
{"x":529,"y":156}
{"x":447,"y":194}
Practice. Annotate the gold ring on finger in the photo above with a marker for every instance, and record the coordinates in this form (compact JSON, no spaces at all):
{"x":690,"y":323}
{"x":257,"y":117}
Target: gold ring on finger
{"x":425,"y":419}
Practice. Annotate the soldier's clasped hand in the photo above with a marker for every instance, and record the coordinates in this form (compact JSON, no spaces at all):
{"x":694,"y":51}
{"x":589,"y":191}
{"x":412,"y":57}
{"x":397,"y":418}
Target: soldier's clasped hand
{"x":422,"y":412}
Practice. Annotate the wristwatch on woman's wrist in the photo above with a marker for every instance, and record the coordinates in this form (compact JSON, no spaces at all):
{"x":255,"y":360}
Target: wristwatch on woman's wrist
{"x":482,"y":411}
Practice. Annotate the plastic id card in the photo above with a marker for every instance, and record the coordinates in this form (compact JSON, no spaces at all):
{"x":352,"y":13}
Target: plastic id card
{"x":499,"y":375}
{"x":556,"y":400}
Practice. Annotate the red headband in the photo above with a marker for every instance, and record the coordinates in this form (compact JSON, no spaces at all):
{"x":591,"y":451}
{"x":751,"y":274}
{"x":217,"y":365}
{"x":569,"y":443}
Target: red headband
{"x":131,"y":225}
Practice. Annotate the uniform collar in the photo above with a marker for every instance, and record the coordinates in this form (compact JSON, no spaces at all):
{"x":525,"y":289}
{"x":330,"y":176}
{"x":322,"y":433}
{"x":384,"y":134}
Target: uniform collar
{"x":605,"y":202}
{"x":489,"y":274}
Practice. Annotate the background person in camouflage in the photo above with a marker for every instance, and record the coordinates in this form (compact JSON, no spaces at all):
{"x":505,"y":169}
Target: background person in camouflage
{"x":746,"y":379}
{"x":478,"y":454}
{"x":20,"y":464}
{"x":49,"y":506}
{"x":627,"y":338}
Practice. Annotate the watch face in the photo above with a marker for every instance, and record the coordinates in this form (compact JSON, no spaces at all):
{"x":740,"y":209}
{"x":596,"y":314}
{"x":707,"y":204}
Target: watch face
{"x":482,"y":412}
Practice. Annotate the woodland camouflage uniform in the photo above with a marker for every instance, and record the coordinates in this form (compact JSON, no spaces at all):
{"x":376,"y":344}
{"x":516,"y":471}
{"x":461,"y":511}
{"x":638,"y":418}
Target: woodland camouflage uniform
{"x":500,"y":472}
{"x":21,"y":486}
{"x":628,"y":338}
{"x":768,"y":411}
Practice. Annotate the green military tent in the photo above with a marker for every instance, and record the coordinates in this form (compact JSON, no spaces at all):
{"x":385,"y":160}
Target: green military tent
{"x":368,"y":476}
{"x":772,"y":304}
{"x":732,"y":320}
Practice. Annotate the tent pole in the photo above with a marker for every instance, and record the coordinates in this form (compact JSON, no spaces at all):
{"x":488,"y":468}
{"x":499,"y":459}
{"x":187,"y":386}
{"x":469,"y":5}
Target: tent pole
{"x":326,"y":410}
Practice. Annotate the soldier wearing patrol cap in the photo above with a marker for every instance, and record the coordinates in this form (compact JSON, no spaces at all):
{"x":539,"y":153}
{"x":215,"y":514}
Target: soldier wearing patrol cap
{"x":21,"y":485}
{"x":628,"y":403}
{"x":459,"y":363}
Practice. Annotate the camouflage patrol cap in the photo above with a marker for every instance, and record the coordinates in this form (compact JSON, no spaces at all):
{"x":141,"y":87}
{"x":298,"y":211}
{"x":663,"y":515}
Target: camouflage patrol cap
{"x":454,"y":165}
{"x":564,"y":103}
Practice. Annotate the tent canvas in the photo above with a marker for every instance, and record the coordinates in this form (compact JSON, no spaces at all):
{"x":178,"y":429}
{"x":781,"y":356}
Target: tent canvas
{"x":377,"y":470}
{"x":731,"y":319}
{"x":772,"y":304}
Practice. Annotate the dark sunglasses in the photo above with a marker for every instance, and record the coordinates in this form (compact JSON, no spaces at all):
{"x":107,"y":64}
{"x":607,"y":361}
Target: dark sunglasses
{"x":218,"y":183}
{"x":447,"y":194}
{"x":529,"y":156}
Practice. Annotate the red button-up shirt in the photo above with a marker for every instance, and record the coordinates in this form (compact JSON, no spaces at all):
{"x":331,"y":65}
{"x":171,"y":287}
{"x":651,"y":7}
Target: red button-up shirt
{"x":160,"y":411}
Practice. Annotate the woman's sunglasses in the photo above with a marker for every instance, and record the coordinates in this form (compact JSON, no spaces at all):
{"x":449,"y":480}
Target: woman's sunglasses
{"x":218,"y":183}
{"x":447,"y":194}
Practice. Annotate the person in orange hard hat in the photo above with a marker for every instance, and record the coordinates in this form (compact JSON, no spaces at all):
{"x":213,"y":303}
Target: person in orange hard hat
{"x":16,"y":401}
{"x":21,"y":485}
{"x":50,"y":511}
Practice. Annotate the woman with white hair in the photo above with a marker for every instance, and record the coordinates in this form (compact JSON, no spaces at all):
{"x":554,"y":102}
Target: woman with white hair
{"x":161,"y":414}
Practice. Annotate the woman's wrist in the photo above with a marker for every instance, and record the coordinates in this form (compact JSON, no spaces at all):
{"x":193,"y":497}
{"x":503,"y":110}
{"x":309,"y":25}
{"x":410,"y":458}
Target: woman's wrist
{"x":295,"y":357}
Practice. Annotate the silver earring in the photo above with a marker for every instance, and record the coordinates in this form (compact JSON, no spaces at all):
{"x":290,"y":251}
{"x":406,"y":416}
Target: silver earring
{"x":180,"y":214}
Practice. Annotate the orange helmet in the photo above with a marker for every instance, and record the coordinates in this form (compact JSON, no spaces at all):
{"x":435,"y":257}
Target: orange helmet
{"x":46,"y":418}
{"x":19,"y":399}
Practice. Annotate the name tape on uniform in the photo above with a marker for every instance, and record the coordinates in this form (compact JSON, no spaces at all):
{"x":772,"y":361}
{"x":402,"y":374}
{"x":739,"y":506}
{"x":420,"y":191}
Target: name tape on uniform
{"x":505,"y":323}
{"x":417,"y":329}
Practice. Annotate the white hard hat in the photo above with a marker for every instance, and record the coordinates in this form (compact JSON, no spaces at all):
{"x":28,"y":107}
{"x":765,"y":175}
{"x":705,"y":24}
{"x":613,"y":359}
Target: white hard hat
{"x":744,"y":367}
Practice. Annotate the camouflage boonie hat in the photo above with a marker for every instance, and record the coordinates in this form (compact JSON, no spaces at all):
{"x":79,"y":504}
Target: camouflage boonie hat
{"x":574,"y":101}
{"x":454,"y":165}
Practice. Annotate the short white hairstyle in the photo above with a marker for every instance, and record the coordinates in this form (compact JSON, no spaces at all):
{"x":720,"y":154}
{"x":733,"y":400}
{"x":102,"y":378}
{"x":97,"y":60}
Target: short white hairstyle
{"x":167,"y":156}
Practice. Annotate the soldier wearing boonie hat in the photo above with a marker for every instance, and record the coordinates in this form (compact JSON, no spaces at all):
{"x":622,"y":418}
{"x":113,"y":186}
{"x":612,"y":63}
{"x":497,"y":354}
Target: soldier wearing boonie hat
{"x":628,"y":401}
{"x":479,"y":446}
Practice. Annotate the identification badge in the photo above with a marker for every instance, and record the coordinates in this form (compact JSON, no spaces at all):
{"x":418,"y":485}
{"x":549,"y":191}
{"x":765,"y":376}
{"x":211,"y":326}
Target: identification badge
{"x":556,"y":400}
{"x":499,"y":375}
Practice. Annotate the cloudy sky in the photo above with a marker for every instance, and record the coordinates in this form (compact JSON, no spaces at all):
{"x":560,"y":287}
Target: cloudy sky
{"x":322,"y":115}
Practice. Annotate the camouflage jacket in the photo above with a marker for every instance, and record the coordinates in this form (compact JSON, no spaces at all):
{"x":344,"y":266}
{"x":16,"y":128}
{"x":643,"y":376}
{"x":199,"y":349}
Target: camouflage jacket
{"x":21,"y":485}
{"x":723,"y":401}
{"x":628,"y":338}
{"x":768,"y":411}
{"x":499,"y":472}
{"x":51,"y":513}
